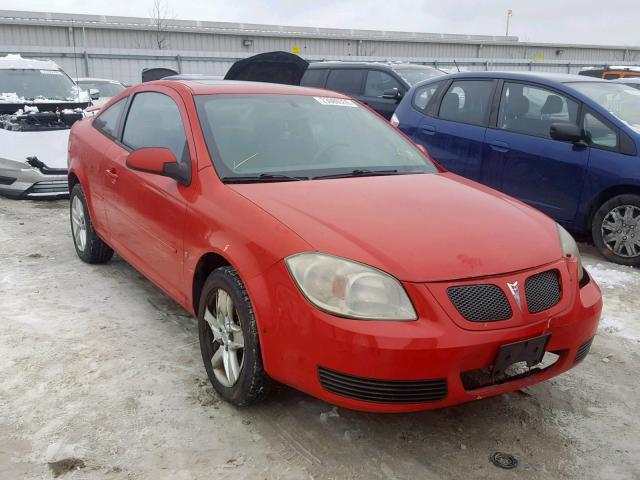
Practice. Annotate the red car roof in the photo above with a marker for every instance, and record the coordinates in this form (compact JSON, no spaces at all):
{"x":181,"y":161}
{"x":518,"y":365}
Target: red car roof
{"x":213,"y":87}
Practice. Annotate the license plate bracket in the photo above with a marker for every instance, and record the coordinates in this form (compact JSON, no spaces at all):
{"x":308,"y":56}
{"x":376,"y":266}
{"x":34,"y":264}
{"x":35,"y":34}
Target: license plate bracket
{"x":530,"y":351}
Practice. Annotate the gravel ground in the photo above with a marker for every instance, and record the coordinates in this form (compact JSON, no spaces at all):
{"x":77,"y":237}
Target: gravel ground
{"x":101,"y":377}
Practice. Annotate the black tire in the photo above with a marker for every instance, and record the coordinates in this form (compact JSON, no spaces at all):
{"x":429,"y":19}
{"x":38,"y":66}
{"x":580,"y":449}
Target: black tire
{"x":95,"y":249}
{"x":630,"y":230}
{"x":252,"y":384}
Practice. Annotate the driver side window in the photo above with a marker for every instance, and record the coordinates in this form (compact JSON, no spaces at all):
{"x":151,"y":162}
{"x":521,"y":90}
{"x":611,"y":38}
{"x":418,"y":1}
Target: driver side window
{"x":378,"y":82}
{"x":531,"y":110}
{"x":154,"y":121}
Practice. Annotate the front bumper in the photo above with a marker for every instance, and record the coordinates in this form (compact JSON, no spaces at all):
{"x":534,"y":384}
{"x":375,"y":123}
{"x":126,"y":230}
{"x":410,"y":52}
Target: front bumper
{"x":31,"y":183}
{"x":300,"y":344}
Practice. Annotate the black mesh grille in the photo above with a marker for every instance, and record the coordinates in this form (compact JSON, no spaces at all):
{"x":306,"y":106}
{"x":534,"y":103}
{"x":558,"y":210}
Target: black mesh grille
{"x":383,"y":391}
{"x":583,"y":351}
{"x":480,"y":303}
{"x":542,"y":290}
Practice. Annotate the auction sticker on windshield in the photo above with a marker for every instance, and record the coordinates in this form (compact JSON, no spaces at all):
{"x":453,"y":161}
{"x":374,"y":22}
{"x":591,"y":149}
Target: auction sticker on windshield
{"x":335,"y":102}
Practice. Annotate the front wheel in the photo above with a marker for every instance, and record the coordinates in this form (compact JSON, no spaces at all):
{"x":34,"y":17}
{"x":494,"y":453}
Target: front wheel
{"x":229,"y":339}
{"x":89,"y":246}
{"x":616,"y":229}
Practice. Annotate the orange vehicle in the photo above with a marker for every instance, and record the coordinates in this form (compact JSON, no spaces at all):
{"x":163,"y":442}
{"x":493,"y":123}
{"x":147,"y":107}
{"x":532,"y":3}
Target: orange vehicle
{"x":612,"y":72}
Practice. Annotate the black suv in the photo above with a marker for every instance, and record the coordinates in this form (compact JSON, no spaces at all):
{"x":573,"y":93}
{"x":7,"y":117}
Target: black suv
{"x":379,"y":85}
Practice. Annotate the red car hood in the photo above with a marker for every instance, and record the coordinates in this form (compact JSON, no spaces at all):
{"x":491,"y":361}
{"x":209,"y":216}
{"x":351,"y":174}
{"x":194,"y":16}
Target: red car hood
{"x":419,"y":228}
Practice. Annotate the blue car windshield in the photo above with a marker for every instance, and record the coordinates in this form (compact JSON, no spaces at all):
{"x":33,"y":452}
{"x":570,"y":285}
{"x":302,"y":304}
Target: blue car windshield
{"x":620,"y":100}
{"x":302,"y":136}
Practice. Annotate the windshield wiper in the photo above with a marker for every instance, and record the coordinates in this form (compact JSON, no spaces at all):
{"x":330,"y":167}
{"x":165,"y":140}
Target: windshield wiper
{"x":360,"y":172}
{"x":263,"y":177}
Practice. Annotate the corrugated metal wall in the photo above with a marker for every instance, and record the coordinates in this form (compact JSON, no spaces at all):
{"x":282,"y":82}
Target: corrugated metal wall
{"x":120,"y":47}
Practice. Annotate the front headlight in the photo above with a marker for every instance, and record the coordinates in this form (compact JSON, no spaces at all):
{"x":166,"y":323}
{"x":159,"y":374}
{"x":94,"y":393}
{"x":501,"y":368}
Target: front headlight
{"x":570,"y":247}
{"x":350,"y":289}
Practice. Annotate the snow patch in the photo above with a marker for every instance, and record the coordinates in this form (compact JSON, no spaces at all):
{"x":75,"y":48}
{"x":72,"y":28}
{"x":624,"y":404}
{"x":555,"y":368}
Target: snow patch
{"x":60,"y":450}
{"x":11,"y":97}
{"x":13,"y":61}
{"x":608,"y":277}
{"x":620,"y":324}
{"x":333,"y":413}
{"x":619,"y":285}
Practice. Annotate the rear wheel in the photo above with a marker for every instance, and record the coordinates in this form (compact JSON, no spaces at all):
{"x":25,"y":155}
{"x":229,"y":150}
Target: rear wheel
{"x":616,"y":229}
{"x":89,"y":247}
{"x":229,"y":340}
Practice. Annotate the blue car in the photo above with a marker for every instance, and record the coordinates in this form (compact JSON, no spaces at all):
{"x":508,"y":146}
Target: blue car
{"x":565,"y":144}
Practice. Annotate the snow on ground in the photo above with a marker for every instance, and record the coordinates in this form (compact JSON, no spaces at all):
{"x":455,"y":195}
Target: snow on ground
{"x":101,"y":378}
{"x":621,"y":288}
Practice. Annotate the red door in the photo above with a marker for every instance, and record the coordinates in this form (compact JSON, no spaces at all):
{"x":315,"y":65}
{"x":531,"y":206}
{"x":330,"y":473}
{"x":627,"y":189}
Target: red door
{"x":147,"y":211}
{"x":100,"y":150}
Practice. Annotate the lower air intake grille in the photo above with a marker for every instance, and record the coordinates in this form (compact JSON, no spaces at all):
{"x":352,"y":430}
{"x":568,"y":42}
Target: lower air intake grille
{"x":583,"y":351}
{"x":383,"y":391}
{"x":480,"y":303}
{"x":50,"y":187}
{"x":542,"y":290}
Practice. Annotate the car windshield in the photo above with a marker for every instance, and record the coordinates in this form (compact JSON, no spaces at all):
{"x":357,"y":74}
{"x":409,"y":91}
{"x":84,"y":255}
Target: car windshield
{"x":619,"y":99}
{"x":302,"y":136}
{"x":28,"y":84}
{"x":414,"y":75}
{"x":106,"y":89}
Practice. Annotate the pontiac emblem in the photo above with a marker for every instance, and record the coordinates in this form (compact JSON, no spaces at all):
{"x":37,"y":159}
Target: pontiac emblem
{"x":514,"y":288}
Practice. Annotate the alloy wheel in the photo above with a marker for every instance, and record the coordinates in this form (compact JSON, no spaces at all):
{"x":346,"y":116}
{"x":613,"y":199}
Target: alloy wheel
{"x":621,"y":231}
{"x":78,"y":224}
{"x":228,"y":340}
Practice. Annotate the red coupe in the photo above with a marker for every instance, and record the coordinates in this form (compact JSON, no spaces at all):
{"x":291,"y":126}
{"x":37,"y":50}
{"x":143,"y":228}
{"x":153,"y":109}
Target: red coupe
{"x":320,"y":248}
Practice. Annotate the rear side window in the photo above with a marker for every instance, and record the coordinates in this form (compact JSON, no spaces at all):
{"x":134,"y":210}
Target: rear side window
{"x":422,"y":95}
{"x":107,"y":121}
{"x":154,"y":121}
{"x":314,"y":77}
{"x":531,"y":110}
{"x":378,"y":82}
{"x":346,"y":81}
{"x":467,"y":101}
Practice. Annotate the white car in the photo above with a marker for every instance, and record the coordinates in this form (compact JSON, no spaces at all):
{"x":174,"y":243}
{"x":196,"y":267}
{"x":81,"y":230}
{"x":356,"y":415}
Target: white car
{"x":38,"y":104}
{"x":100,"y":89}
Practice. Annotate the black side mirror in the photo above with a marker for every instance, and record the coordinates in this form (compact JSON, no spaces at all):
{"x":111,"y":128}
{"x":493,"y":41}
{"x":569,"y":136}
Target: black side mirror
{"x":392,"y":94}
{"x":566,"y":132}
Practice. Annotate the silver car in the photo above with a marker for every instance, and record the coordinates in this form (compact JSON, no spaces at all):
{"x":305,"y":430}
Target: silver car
{"x":100,"y":89}
{"x":38,"y":105}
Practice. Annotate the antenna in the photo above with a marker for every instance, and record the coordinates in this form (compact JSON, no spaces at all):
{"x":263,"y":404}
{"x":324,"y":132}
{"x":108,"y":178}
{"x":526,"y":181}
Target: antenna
{"x":75,"y":57}
{"x":456,"y":64}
